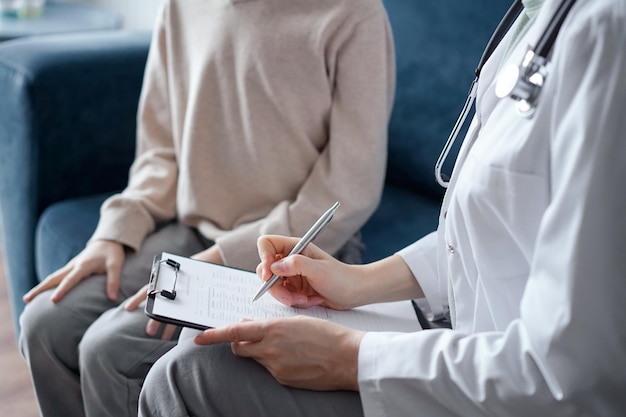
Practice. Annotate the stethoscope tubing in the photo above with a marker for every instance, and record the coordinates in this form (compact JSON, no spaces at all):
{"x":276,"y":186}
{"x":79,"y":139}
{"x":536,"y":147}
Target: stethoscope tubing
{"x":505,"y":24}
{"x":460,"y":121}
{"x":540,"y":53}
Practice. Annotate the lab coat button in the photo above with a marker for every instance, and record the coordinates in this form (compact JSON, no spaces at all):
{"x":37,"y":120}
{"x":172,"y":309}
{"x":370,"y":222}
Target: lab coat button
{"x":450,"y":249}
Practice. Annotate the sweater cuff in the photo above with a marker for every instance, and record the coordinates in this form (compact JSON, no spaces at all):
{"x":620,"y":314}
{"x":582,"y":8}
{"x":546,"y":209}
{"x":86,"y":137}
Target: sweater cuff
{"x":126,"y":225}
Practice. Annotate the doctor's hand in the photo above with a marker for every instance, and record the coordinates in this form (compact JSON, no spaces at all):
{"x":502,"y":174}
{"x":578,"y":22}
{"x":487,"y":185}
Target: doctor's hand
{"x":310,"y":278}
{"x":300,"y":352}
{"x":153,"y":326}
{"x":98,"y":257}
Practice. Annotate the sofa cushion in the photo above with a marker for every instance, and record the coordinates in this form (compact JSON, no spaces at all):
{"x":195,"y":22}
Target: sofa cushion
{"x":63,"y":231}
{"x":402,"y":217}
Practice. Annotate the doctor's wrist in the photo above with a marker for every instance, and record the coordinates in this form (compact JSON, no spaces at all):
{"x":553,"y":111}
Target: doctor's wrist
{"x":350,"y":360}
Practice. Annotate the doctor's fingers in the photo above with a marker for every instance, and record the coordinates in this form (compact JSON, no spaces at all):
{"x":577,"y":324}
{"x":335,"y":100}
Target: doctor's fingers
{"x":246,"y":331}
{"x":299,"y":265}
{"x":293,"y":296}
{"x":269,"y":246}
{"x":315,"y":276}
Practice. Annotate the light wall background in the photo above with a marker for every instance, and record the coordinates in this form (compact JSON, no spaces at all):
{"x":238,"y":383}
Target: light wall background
{"x":135,"y":14}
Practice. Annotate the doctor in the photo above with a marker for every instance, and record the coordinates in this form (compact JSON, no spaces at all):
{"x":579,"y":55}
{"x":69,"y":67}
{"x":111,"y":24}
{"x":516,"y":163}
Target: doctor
{"x":531,"y":244}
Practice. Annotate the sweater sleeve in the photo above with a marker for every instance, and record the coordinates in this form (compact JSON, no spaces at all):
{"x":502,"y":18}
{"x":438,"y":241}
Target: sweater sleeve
{"x":150,"y":196}
{"x":351,"y":167}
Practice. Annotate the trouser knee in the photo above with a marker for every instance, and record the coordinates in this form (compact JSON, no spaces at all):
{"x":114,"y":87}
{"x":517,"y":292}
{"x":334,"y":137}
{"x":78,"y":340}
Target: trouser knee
{"x":112,"y":343}
{"x":55,"y":329}
{"x":98,"y":349}
{"x":42,"y":330}
{"x":168,"y":376}
{"x":164,"y":369}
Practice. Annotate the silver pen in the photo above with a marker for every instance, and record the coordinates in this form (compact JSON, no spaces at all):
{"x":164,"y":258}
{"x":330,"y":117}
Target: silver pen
{"x":302,"y":243}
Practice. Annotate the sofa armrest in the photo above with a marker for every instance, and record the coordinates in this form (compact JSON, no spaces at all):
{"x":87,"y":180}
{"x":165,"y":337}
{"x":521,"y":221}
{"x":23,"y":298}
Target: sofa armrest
{"x":67,"y":129}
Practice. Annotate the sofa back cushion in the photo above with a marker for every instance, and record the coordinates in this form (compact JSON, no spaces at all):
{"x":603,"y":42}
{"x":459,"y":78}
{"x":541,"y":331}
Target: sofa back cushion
{"x":438,"y":45}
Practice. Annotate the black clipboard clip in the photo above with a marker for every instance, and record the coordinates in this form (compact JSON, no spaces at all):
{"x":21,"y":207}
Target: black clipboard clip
{"x":153,"y":290}
{"x":154,"y":277}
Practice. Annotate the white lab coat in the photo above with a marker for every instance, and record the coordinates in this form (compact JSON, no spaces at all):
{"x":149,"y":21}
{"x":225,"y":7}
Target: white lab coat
{"x":533,"y":236}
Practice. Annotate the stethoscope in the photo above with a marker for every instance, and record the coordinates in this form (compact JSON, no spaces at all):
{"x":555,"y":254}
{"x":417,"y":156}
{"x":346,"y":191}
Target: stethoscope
{"x":522,"y":83}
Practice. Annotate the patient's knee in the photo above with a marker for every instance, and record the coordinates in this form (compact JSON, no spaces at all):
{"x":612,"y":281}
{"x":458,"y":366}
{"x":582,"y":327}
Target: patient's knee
{"x":44,"y":326}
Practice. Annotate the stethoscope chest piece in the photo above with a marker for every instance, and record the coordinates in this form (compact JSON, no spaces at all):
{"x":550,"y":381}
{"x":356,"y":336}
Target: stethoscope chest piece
{"x":523,"y":83}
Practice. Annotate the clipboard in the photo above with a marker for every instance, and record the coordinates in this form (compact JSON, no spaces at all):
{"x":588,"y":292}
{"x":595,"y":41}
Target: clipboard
{"x":153,"y":292}
{"x":201,"y":295}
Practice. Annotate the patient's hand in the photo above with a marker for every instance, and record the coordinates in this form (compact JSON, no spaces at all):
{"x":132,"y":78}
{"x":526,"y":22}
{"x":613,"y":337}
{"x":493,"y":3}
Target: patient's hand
{"x":98,"y":257}
{"x":211,"y":254}
{"x":153,"y":325}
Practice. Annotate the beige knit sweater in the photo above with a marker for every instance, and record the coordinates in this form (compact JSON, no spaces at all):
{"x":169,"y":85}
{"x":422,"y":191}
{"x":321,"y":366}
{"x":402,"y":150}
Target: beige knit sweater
{"x":255,"y":117}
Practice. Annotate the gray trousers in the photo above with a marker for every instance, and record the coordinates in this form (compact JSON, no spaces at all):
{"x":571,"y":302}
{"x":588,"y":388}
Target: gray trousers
{"x":87,"y":356}
{"x":192,"y":380}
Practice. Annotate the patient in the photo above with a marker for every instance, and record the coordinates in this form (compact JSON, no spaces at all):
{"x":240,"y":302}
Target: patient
{"x":255,"y":116}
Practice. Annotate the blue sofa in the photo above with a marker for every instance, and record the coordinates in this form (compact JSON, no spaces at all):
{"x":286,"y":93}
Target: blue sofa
{"x":67,"y":125}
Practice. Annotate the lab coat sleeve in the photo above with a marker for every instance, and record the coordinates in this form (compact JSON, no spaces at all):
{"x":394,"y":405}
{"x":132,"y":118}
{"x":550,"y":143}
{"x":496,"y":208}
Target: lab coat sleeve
{"x":566,"y":354}
{"x":421,"y":258}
